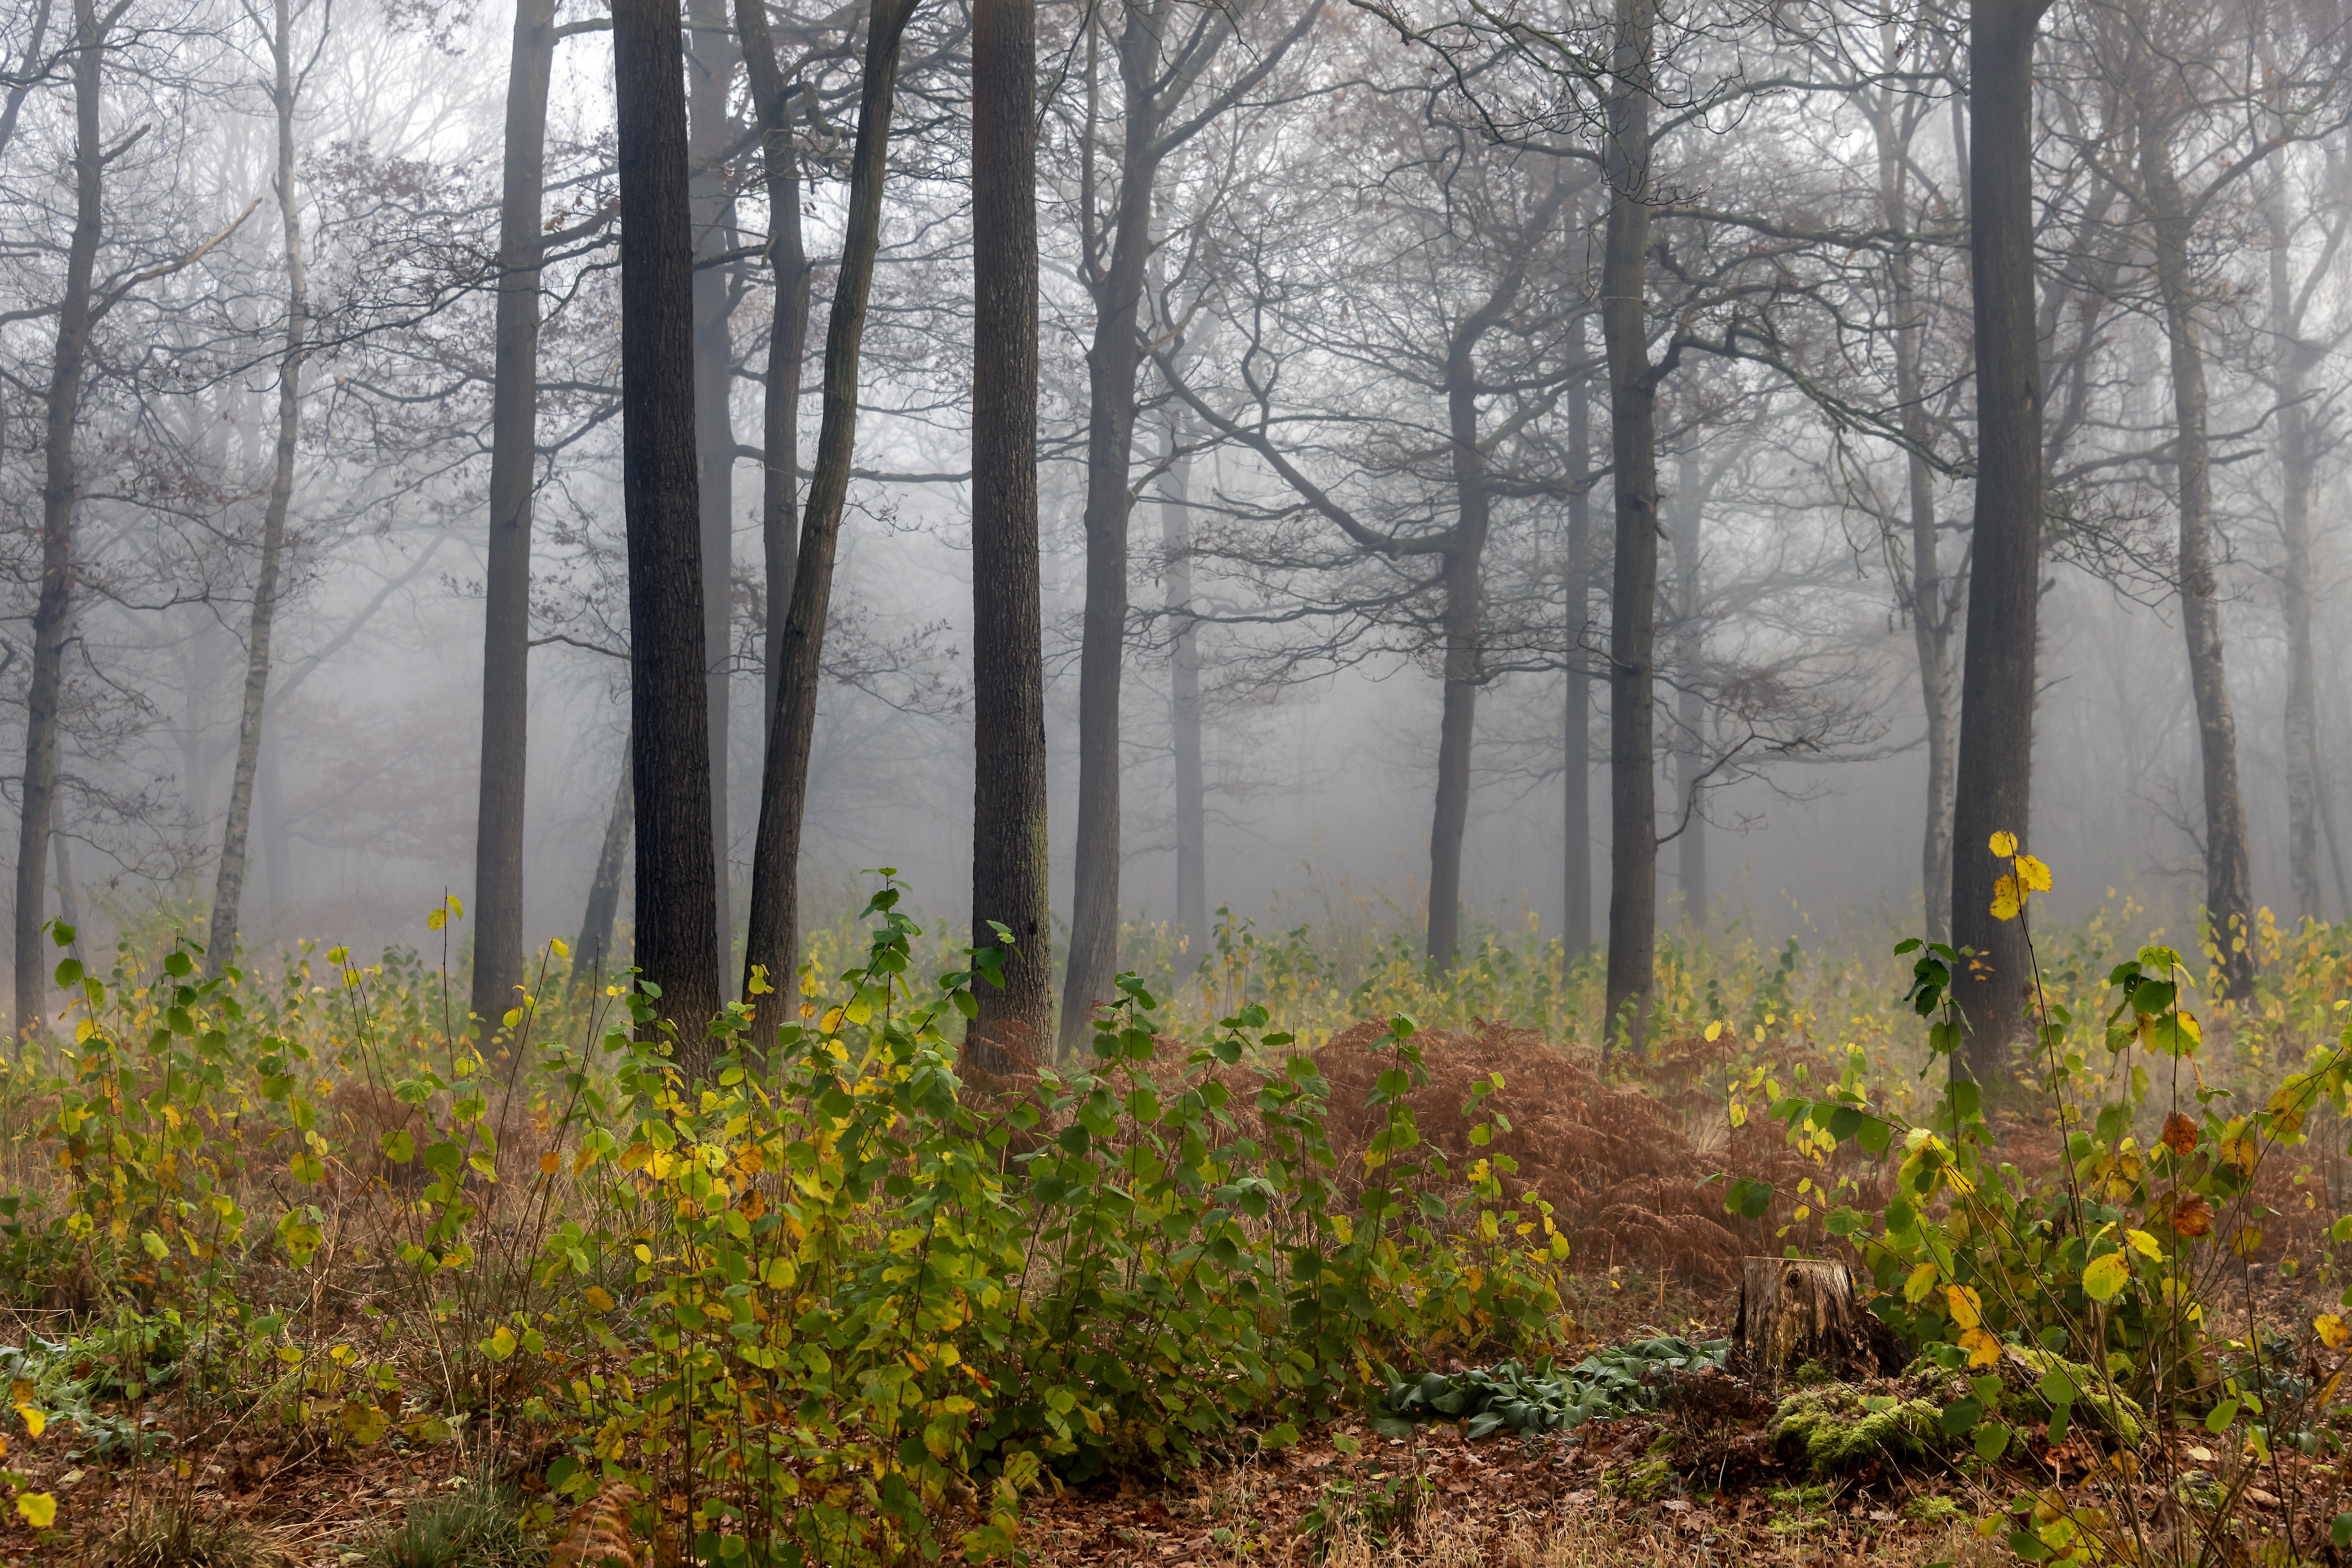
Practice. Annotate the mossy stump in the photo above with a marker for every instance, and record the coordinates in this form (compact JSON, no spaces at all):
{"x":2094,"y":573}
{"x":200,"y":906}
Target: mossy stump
{"x":1796,"y":1313}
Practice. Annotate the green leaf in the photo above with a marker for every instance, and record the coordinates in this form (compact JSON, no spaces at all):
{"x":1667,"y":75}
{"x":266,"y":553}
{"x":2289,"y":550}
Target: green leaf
{"x":1961,"y":1418}
{"x":2217,"y":1421}
{"x":2105,"y":1276}
{"x":1991,"y":1440}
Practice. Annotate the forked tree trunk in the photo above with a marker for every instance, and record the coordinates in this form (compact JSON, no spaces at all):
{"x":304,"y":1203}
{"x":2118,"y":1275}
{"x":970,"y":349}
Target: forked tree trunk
{"x":1633,"y":593}
{"x":772,"y":940}
{"x":2229,"y":871}
{"x":1793,"y":1310}
{"x":228,"y":889}
{"x":678,"y":919}
{"x":1993,"y":789}
{"x":514,"y":435}
{"x":1009,"y":886}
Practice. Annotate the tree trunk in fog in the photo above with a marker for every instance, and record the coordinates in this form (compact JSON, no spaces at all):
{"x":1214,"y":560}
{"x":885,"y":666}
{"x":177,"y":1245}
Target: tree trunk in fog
{"x":514,"y":435}
{"x":1575,"y":910}
{"x":1633,"y":593}
{"x":669,"y":707}
{"x":60,"y":480}
{"x":787,"y":334}
{"x":771,"y":937}
{"x":592,"y":954}
{"x":1690,"y":711}
{"x":270,"y":802}
{"x":228,"y":889}
{"x":1931,"y":615}
{"x":2301,"y":729}
{"x":711,"y":135}
{"x":69,"y":898}
{"x":1993,"y":788}
{"x":2229,"y":873}
{"x":1463,"y":619}
{"x":1008,"y":885}
{"x":1184,"y":694}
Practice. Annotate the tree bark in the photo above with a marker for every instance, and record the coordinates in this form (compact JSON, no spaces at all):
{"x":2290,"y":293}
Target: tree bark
{"x":2228,"y":872}
{"x":771,"y":938}
{"x":592,"y":953}
{"x":514,"y":459}
{"x":2301,"y":727}
{"x":1462,"y":617}
{"x":1184,"y":694}
{"x":711,"y":135}
{"x":1798,"y":1310}
{"x":228,"y":889}
{"x":787,"y":334}
{"x":1993,"y":785}
{"x":677,"y":917}
{"x":1690,"y":711}
{"x":1633,"y":593}
{"x":60,"y":485}
{"x":1576,"y":762}
{"x":1009,"y":848}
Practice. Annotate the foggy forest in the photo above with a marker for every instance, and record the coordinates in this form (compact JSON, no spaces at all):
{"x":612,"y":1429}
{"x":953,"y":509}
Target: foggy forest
{"x":1211,"y":781}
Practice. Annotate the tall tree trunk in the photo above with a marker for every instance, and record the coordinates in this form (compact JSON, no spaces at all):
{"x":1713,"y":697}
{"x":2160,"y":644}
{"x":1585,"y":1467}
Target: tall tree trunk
{"x":1931,"y":615}
{"x":1008,"y":885}
{"x":1633,"y":593}
{"x":1576,"y":761}
{"x":1462,"y":621}
{"x":2301,"y":729}
{"x":1184,"y":693}
{"x":711,"y":133}
{"x":60,"y":482}
{"x":277,"y":850}
{"x":1690,"y":711}
{"x":592,"y":953}
{"x":514,"y":437}
{"x":788,"y":264}
{"x":1994,"y":787}
{"x":1111,"y":363}
{"x":771,"y":938}
{"x":2229,"y":871}
{"x":228,"y":891}
{"x":669,"y":706}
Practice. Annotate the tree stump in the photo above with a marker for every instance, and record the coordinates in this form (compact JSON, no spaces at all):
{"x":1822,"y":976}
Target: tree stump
{"x":1798,"y":1310}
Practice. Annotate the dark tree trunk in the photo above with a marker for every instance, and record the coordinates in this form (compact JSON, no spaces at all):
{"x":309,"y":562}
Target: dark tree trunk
{"x":1576,"y":907}
{"x":60,"y":482}
{"x":2302,"y":728}
{"x":1184,"y":696}
{"x":772,"y":935}
{"x":506,"y":611}
{"x":1009,"y":848}
{"x":1993,"y":789}
{"x":2228,"y":872}
{"x":780,"y":523}
{"x":1690,"y":711}
{"x":1633,"y":593}
{"x":711,"y":135}
{"x":1462,"y":618}
{"x":669,"y":695}
{"x":229,"y":888}
{"x":593,"y":955}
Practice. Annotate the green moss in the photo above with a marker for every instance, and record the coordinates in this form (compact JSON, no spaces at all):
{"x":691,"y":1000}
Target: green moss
{"x":1933,"y":1510}
{"x":2116,"y":1414}
{"x":1835,"y":1427}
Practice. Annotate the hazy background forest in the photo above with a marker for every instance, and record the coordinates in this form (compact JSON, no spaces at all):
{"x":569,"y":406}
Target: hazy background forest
{"x":1321,"y":229}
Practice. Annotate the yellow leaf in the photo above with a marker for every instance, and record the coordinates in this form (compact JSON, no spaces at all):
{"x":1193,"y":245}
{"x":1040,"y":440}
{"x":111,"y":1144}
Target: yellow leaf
{"x":2139,"y":1241}
{"x":1967,"y":1307}
{"x":548,"y":1162}
{"x":2247,"y":1242}
{"x":2032,"y":874}
{"x":561,"y":948}
{"x":1714,"y":1033}
{"x":2005,"y":900}
{"x":760,"y":986}
{"x":598,"y":1298}
{"x":21,"y":1391}
{"x":2332,"y":1332}
{"x":2105,"y":1276}
{"x":436,"y":919}
{"x":1738,"y":1113}
{"x":39,"y":1509}
{"x":34,"y":1421}
{"x":2004,"y":844}
{"x":1982,"y":1348}
{"x":1922,"y":1281}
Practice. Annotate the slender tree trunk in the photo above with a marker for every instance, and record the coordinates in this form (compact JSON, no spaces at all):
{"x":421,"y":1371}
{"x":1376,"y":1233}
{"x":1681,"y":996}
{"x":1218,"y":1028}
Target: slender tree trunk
{"x":68,"y":900}
{"x":773,"y":936}
{"x":228,"y":889}
{"x":2301,"y":729}
{"x":1008,"y":885}
{"x":1994,"y":787}
{"x":1931,"y":618}
{"x":1633,"y":593}
{"x":2228,"y":872}
{"x":1690,"y":712}
{"x":60,"y":482}
{"x":1184,"y":693}
{"x":592,"y":953}
{"x":1112,"y":364}
{"x":514,"y":436}
{"x":711,"y":135}
{"x":1576,"y":762}
{"x":669,"y":706}
{"x":787,"y":336}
